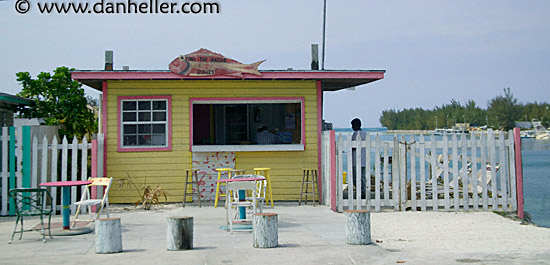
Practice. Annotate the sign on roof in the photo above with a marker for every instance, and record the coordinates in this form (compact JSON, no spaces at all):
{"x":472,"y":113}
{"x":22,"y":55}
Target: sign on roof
{"x":205,"y":63}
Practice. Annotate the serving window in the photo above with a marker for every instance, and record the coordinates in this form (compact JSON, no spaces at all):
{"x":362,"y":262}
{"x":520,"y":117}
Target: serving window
{"x":247,"y":124}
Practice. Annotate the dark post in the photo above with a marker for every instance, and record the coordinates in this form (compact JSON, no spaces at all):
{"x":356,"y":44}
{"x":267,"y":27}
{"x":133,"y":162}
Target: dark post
{"x":108,"y":60}
{"x":314,"y":57}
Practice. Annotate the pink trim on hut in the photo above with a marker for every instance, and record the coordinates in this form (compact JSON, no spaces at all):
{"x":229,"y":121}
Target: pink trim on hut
{"x":190,"y":125}
{"x":139,"y":149}
{"x":192,"y":100}
{"x":319,"y":132}
{"x":266,"y":75}
{"x":104,"y":105}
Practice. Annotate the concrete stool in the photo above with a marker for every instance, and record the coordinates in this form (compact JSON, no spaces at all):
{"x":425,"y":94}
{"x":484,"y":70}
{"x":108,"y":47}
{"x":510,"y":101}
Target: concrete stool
{"x":179,"y":233}
{"x":264,"y":171}
{"x":220,"y":171}
{"x":194,"y":180}
{"x":108,"y":236}
{"x":265,"y":230}
{"x":358,"y":227}
{"x":307,"y":182}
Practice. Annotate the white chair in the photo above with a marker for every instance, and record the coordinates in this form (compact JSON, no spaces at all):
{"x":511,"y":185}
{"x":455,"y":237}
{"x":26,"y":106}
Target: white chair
{"x":233,"y":203}
{"x":87,"y":200}
{"x":260,"y":194}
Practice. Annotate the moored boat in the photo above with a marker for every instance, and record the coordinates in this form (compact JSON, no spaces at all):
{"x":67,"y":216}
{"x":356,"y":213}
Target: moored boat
{"x":541,"y":133}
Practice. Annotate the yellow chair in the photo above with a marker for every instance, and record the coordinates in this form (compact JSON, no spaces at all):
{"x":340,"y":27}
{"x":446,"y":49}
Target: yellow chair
{"x":264,"y":171}
{"x":220,"y":171}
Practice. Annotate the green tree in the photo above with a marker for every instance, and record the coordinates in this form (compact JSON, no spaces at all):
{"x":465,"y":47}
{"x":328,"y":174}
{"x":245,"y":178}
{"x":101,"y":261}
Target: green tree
{"x":474,"y":114}
{"x":59,"y":100}
{"x":389,"y":119}
{"x":504,"y":110}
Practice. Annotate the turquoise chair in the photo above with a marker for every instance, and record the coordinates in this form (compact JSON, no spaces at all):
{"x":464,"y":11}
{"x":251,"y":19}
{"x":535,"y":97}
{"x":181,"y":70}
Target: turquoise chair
{"x":31,"y":202}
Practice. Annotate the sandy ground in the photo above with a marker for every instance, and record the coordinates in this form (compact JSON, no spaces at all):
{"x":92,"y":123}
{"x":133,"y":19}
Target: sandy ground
{"x":466,"y":237}
{"x":307,"y":235}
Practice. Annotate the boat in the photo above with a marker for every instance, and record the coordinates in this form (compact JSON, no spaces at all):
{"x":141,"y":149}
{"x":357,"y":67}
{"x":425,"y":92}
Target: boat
{"x":439,"y":131}
{"x":527,"y":134}
{"x":541,"y":133}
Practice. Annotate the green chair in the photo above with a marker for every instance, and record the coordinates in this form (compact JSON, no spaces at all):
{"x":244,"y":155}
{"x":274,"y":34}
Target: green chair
{"x":31,"y":202}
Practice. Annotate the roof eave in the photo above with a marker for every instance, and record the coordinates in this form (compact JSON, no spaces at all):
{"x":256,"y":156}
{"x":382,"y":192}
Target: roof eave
{"x":332,"y":80}
{"x":14,"y":100}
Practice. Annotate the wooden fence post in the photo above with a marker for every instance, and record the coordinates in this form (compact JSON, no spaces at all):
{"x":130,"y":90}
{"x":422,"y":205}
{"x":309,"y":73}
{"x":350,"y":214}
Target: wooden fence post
{"x":179,"y":233}
{"x":332,"y":161}
{"x":4,"y":176}
{"x":519,"y":172}
{"x":396,"y":174}
{"x":358,"y":227}
{"x":26,"y":157}
{"x":12,"y":176}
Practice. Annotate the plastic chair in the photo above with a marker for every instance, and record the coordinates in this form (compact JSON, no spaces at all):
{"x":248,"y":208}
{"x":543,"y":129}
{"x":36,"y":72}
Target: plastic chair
{"x":87,"y":200}
{"x":31,"y":202}
{"x":234,"y":202}
{"x":260,"y":194}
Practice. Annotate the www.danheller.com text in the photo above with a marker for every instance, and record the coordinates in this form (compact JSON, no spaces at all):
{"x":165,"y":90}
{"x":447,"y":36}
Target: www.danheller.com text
{"x":127,"y":7}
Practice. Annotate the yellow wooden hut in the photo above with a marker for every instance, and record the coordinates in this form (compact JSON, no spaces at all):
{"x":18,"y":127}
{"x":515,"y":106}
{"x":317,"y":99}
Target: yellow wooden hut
{"x":158,"y":124}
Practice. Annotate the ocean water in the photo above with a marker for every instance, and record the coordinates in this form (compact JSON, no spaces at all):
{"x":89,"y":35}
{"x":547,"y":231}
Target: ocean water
{"x":536,"y":174}
{"x":536,"y":180}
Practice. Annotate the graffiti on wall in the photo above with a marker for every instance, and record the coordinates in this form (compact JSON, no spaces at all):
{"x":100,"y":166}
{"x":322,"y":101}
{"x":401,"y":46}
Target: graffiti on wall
{"x":207,"y":163}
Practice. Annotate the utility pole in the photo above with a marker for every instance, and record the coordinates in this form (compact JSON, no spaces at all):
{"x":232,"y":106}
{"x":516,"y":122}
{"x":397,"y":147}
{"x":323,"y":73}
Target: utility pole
{"x":324,"y":30}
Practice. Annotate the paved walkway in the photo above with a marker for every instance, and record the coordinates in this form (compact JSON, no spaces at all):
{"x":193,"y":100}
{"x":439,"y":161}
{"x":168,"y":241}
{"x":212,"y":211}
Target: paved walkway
{"x":307,"y":235}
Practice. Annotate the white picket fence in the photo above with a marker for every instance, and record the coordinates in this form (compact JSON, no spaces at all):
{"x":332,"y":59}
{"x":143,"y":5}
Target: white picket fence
{"x":450,"y":172}
{"x":50,"y":161}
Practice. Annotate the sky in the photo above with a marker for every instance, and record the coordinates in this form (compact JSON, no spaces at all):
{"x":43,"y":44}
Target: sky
{"x":432,"y":51}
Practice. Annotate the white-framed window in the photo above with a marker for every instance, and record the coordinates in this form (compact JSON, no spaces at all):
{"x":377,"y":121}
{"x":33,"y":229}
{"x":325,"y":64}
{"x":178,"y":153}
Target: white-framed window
{"x":247,"y":124}
{"x":144,"y":123}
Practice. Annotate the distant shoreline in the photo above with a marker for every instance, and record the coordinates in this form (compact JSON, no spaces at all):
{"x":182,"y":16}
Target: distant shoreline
{"x":386,"y":131}
{"x":410,"y":131}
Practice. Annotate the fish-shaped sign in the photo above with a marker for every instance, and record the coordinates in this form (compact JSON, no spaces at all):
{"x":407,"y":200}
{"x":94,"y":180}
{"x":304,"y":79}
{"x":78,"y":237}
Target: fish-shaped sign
{"x":204,"y":63}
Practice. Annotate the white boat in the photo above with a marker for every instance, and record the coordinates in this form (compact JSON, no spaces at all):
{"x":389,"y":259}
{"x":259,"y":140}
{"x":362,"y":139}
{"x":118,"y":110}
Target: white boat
{"x":540,"y":132}
{"x":439,"y":131}
{"x":527,"y":134}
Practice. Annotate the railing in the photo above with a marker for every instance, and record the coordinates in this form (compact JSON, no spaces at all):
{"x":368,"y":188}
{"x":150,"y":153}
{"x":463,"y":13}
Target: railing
{"x":415,"y":172}
{"x":27,"y":163}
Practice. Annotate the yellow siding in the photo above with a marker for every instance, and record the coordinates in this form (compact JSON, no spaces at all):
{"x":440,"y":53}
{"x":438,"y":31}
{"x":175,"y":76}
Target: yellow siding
{"x":167,"y":168}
